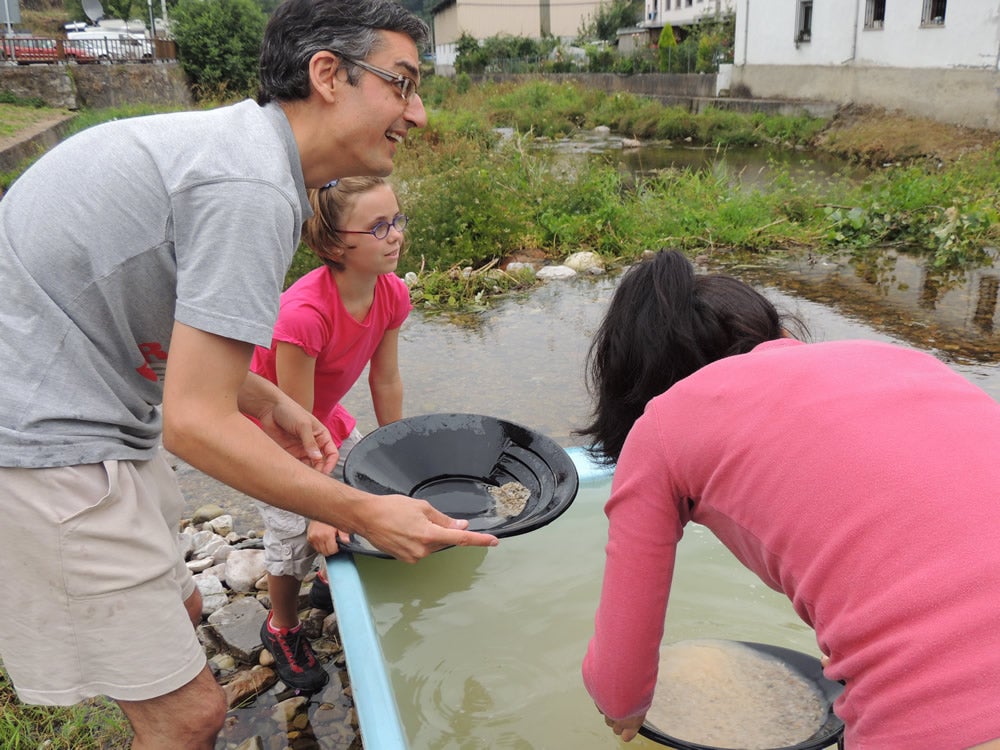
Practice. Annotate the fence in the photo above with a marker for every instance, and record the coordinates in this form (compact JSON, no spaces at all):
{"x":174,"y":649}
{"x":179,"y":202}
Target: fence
{"x":125,"y":48}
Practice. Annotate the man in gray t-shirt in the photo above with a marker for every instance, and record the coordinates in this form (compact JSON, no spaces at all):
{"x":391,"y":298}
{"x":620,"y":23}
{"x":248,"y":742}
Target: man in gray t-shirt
{"x":142,"y":261}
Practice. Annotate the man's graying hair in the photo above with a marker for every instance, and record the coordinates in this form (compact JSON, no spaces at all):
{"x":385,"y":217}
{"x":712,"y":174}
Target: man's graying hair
{"x":298,"y":29}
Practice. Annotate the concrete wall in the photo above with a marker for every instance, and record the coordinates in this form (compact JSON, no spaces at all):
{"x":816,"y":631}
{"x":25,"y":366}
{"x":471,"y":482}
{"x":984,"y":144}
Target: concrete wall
{"x":956,"y":96}
{"x":94,"y":86}
{"x":695,"y":92}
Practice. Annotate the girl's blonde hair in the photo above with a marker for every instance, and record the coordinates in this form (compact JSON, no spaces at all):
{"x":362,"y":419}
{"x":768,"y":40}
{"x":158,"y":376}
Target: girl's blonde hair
{"x":331,"y":205}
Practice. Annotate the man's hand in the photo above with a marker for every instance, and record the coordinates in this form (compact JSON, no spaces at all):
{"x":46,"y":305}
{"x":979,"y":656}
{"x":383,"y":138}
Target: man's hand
{"x":301,"y":434}
{"x":410,"y":529}
{"x":324,"y":538}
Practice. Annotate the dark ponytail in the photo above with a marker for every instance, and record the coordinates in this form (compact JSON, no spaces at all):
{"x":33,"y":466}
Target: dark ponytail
{"x":664,"y":323}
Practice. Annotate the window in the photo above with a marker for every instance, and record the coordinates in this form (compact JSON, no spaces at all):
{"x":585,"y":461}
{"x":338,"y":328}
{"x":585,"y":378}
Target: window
{"x":933,"y":13}
{"x":874,"y":14}
{"x":805,"y":21}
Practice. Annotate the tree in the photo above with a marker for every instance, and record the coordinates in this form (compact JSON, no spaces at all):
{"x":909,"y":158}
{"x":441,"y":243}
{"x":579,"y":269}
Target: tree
{"x":218,"y":45}
{"x":665,"y":46}
{"x":118,"y":9}
{"x":610,"y":17}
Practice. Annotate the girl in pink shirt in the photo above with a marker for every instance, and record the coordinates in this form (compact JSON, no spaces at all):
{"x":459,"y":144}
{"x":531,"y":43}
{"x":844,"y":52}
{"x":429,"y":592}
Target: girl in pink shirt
{"x":332,"y":322}
{"x":858,"y":478}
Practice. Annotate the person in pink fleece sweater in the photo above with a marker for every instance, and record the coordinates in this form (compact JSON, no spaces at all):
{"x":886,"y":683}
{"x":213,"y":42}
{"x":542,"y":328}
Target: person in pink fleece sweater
{"x":860,"y":479}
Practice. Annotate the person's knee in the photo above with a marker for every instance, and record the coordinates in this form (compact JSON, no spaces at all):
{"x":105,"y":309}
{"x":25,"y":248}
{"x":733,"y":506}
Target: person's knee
{"x":214,"y":711}
{"x":190,"y":717}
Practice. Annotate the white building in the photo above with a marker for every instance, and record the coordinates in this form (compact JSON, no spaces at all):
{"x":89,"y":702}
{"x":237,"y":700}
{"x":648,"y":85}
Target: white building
{"x":934,"y":58}
{"x":532,"y":19}
{"x":677,"y":13}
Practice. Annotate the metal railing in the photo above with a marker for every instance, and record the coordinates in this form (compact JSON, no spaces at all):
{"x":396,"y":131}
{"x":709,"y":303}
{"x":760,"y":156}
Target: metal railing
{"x":36,"y":50}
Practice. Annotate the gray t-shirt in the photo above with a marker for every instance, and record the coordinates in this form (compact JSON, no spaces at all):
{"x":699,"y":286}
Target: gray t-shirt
{"x":110,"y":237}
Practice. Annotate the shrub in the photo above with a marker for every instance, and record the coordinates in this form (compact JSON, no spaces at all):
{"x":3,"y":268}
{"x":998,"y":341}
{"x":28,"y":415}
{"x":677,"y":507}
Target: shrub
{"x":218,"y":45}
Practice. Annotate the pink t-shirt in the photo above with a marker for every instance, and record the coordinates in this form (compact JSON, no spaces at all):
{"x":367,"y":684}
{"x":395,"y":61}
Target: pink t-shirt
{"x":860,"y":479}
{"x":313,"y":318}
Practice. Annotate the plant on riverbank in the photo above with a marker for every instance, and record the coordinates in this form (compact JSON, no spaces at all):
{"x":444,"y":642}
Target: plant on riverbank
{"x":551,"y":109}
{"x":953,"y":213}
{"x":94,"y":725}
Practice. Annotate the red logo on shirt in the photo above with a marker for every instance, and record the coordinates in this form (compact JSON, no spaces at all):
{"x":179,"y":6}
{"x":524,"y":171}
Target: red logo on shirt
{"x":153,"y":353}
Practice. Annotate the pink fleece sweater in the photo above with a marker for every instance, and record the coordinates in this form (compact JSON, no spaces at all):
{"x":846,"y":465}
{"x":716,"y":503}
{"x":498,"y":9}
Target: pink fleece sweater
{"x":860,"y":479}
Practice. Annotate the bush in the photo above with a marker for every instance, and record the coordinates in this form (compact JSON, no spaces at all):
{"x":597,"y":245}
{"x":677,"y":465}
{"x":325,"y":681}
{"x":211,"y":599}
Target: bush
{"x":218,"y":45}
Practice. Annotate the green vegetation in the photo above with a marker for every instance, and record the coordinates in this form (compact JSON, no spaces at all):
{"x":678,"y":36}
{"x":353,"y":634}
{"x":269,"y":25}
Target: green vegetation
{"x":699,"y":48}
{"x":94,"y":725}
{"x":477,"y":199}
{"x":16,"y":115}
{"x":218,"y":45}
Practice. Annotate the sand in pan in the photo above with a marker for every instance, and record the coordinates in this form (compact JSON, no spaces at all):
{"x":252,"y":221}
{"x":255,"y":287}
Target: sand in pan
{"x":510,"y":498}
{"x":727,"y":695}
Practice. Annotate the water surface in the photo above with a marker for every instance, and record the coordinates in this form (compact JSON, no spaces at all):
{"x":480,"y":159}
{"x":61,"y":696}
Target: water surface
{"x":484,"y":648}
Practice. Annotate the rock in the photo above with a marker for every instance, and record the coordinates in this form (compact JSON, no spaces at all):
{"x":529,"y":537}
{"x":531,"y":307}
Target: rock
{"x":246,"y":685}
{"x":585,"y":262}
{"x":330,"y":629}
{"x":284,"y":712}
{"x":253,"y":743}
{"x":208,"y":544}
{"x":556,"y":272}
{"x":213,"y":594}
{"x":222,"y":664}
{"x":517,"y":265}
{"x":244,"y":567}
{"x":630,"y":143}
{"x":185,"y":543}
{"x":236,"y":628}
{"x":200,"y":566}
{"x":206,"y":513}
{"x":221,"y":525}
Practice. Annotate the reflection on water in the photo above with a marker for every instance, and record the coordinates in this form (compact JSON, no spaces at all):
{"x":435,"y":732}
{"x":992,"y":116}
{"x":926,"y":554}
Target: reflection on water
{"x":524,"y":360}
{"x":954,"y":314}
{"x":750,"y":167}
{"x":484,"y":648}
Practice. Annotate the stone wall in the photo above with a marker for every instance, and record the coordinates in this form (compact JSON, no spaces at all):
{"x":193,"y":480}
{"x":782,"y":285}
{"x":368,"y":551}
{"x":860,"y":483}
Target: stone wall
{"x":74,"y":86}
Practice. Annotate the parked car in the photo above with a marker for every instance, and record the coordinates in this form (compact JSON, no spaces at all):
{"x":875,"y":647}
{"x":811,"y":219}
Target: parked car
{"x":26,"y":50}
{"x":110,"y":46}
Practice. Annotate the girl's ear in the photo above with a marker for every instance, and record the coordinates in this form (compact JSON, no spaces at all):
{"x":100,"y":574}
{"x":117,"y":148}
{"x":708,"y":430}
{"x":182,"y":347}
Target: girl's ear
{"x":323,"y":67}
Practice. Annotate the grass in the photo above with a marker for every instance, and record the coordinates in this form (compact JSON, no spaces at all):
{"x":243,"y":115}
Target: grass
{"x":97,"y":724}
{"x":16,"y":118}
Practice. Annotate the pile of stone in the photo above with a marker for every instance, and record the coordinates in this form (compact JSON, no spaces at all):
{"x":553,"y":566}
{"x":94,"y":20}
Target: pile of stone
{"x":229,"y":571}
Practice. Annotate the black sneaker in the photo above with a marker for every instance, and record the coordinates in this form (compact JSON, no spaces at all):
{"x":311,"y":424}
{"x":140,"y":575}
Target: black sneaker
{"x":294,"y":660}
{"x":319,"y":595}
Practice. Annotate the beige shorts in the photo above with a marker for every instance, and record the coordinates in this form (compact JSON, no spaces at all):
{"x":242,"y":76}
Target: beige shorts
{"x":287,"y":551}
{"x":93,"y":586}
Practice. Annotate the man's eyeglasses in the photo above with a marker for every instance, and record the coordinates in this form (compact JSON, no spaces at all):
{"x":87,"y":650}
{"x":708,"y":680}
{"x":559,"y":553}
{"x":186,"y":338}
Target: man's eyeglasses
{"x":381,"y":230}
{"x":406,"y":85}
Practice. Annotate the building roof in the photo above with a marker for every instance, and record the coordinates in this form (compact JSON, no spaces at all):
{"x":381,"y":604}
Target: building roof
{"x":439,"y":6}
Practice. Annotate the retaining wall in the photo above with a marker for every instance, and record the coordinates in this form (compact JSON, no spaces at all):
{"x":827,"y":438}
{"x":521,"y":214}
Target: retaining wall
{"x":72,"y":86}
